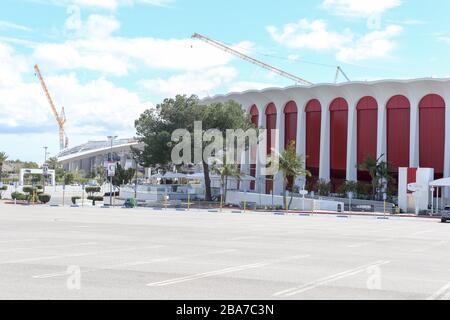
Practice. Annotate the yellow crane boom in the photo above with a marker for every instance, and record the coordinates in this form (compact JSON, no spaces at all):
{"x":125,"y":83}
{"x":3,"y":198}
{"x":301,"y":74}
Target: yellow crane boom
{"x":232,"y":51}
{"x":60,"y":118}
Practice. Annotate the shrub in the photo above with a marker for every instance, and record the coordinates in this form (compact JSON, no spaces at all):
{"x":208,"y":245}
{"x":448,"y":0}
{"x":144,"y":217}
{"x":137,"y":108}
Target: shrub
{"x":18,"y":196}
{"x":74,"y":199}
{"x":44,"y":198}
{"x":95,"y":198}
{"x":346,"y":187}
{"x":3,"y":188}
{"x":323,"y":188}
{"x":92,"y":190}
{"x":28,"y":189}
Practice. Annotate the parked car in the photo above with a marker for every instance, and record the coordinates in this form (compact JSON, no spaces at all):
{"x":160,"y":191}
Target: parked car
{"x":445,"y":214}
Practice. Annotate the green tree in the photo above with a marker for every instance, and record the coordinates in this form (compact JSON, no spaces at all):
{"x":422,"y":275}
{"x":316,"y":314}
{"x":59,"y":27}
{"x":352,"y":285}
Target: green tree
{"x":155,"y":127}
{"x":68,"y":178}
{"x":53,"y":164}
{"x":3,"y":158}
{"x":225,"y":172}
{"x":370,"y":164}
{"x":123,"y":176}
{"x":379,"y":172}
{"x":292,"y":166}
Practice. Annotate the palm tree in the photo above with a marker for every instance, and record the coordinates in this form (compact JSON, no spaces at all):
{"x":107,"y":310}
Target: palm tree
{"x":383,"y":175}
{"x":370,"y":164}
{"x":291,"y":165}
{"x":3,"y":158}
{"x":225,"y":172}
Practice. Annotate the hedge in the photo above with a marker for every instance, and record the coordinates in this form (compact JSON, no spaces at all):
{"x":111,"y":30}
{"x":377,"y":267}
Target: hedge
{"x":44,"y":198}
{"x":95,"y":198}
{"x":19,"y":196}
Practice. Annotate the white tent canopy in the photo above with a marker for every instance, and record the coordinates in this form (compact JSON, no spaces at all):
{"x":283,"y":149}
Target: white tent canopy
{"x":441,"y":183}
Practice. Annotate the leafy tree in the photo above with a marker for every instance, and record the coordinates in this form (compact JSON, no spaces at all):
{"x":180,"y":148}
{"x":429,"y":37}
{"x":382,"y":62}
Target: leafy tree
{"x":3,"y":158}
{"x":53,"y":164}
{"x":292,"y":166}
{"x":155,"y":127}
{"x":123,"y":176}
{"x":68,"y":178}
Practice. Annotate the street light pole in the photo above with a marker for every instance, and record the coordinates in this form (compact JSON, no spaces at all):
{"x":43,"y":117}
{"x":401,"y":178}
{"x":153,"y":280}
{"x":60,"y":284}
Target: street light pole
{"x":111,"y":138}
{"x":44,"y":175}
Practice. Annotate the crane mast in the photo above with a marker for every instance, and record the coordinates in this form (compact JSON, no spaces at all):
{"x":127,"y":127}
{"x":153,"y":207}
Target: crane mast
{"x":60,"y":119}
{"x":225,"y":48}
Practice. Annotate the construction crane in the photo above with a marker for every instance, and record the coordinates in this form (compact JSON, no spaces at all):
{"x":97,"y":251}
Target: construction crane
{"x":60,"y":117}
{"x":339,"y":70}
{"x":225,"y":48}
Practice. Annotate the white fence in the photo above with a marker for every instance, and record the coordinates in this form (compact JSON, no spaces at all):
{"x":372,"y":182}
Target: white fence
{"x":235,"y":198}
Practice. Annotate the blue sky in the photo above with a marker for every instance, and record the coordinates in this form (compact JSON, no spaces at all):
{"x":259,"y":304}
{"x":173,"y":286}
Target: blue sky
{"x":106,"y":61}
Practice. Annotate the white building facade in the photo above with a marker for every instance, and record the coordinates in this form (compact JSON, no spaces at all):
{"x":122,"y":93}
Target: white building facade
{"x":405,"y":122}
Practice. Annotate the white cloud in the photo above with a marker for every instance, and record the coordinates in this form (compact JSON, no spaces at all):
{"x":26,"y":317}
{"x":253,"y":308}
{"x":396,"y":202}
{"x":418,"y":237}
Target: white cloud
{"x":200,"y":83}
{"x":11,"y":25}
{"x":444,"y":39}
{"x":110,"y":5}
{"x":95,"y":107}
{"x":374,"y":45}
{"x":95,"y":48}
{"x":349,"y":47}
{"x":361,"y":8}
{"x":310,"y":35}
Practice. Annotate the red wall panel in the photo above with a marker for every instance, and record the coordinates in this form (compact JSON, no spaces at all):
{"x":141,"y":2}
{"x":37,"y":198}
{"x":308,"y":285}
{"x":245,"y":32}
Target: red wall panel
{"x":290,"y":123}
{"x":367,"y":128}
{"x":432,"y":133}
{"x":271,"y":125}
{"x":313,"y":126}
{"x":338,"y":140}
{"x":398,"y":132}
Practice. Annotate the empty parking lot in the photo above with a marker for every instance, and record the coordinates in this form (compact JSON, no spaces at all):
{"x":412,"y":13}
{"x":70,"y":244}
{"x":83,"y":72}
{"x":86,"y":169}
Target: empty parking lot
{"x":94,"y":253}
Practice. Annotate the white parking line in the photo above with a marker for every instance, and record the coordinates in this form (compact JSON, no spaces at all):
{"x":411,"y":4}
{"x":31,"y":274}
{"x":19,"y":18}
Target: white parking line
{"x":442,"y":294}
{"x":69,"y":255}
{"x":221,"y":272}
{"x":325,"y":280}
{"x":137,"y":263}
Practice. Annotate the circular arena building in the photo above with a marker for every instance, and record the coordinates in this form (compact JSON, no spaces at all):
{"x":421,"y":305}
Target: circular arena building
{"x":405,"y":122}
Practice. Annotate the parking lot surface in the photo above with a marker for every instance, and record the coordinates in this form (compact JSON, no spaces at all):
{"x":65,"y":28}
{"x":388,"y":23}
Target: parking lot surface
{"x":94,"y":253}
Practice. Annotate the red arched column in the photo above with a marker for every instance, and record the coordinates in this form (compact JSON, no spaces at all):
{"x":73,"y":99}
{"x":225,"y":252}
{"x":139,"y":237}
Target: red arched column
{"x":338,"y":141}
{"x":290,"y":130}
{"x":254,"y":117}
{"x":398,"y":133}
{"x":313,"y":112}
{"x":290,"y":123}
{"x":271,"y":125}
{"x":367,"y":128}
{"x":432,"y":133}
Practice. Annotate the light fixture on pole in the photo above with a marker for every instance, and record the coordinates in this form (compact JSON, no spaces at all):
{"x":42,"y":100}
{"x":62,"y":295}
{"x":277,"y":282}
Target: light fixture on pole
{"x":45,"y":168}
{"x":111,"y":170}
